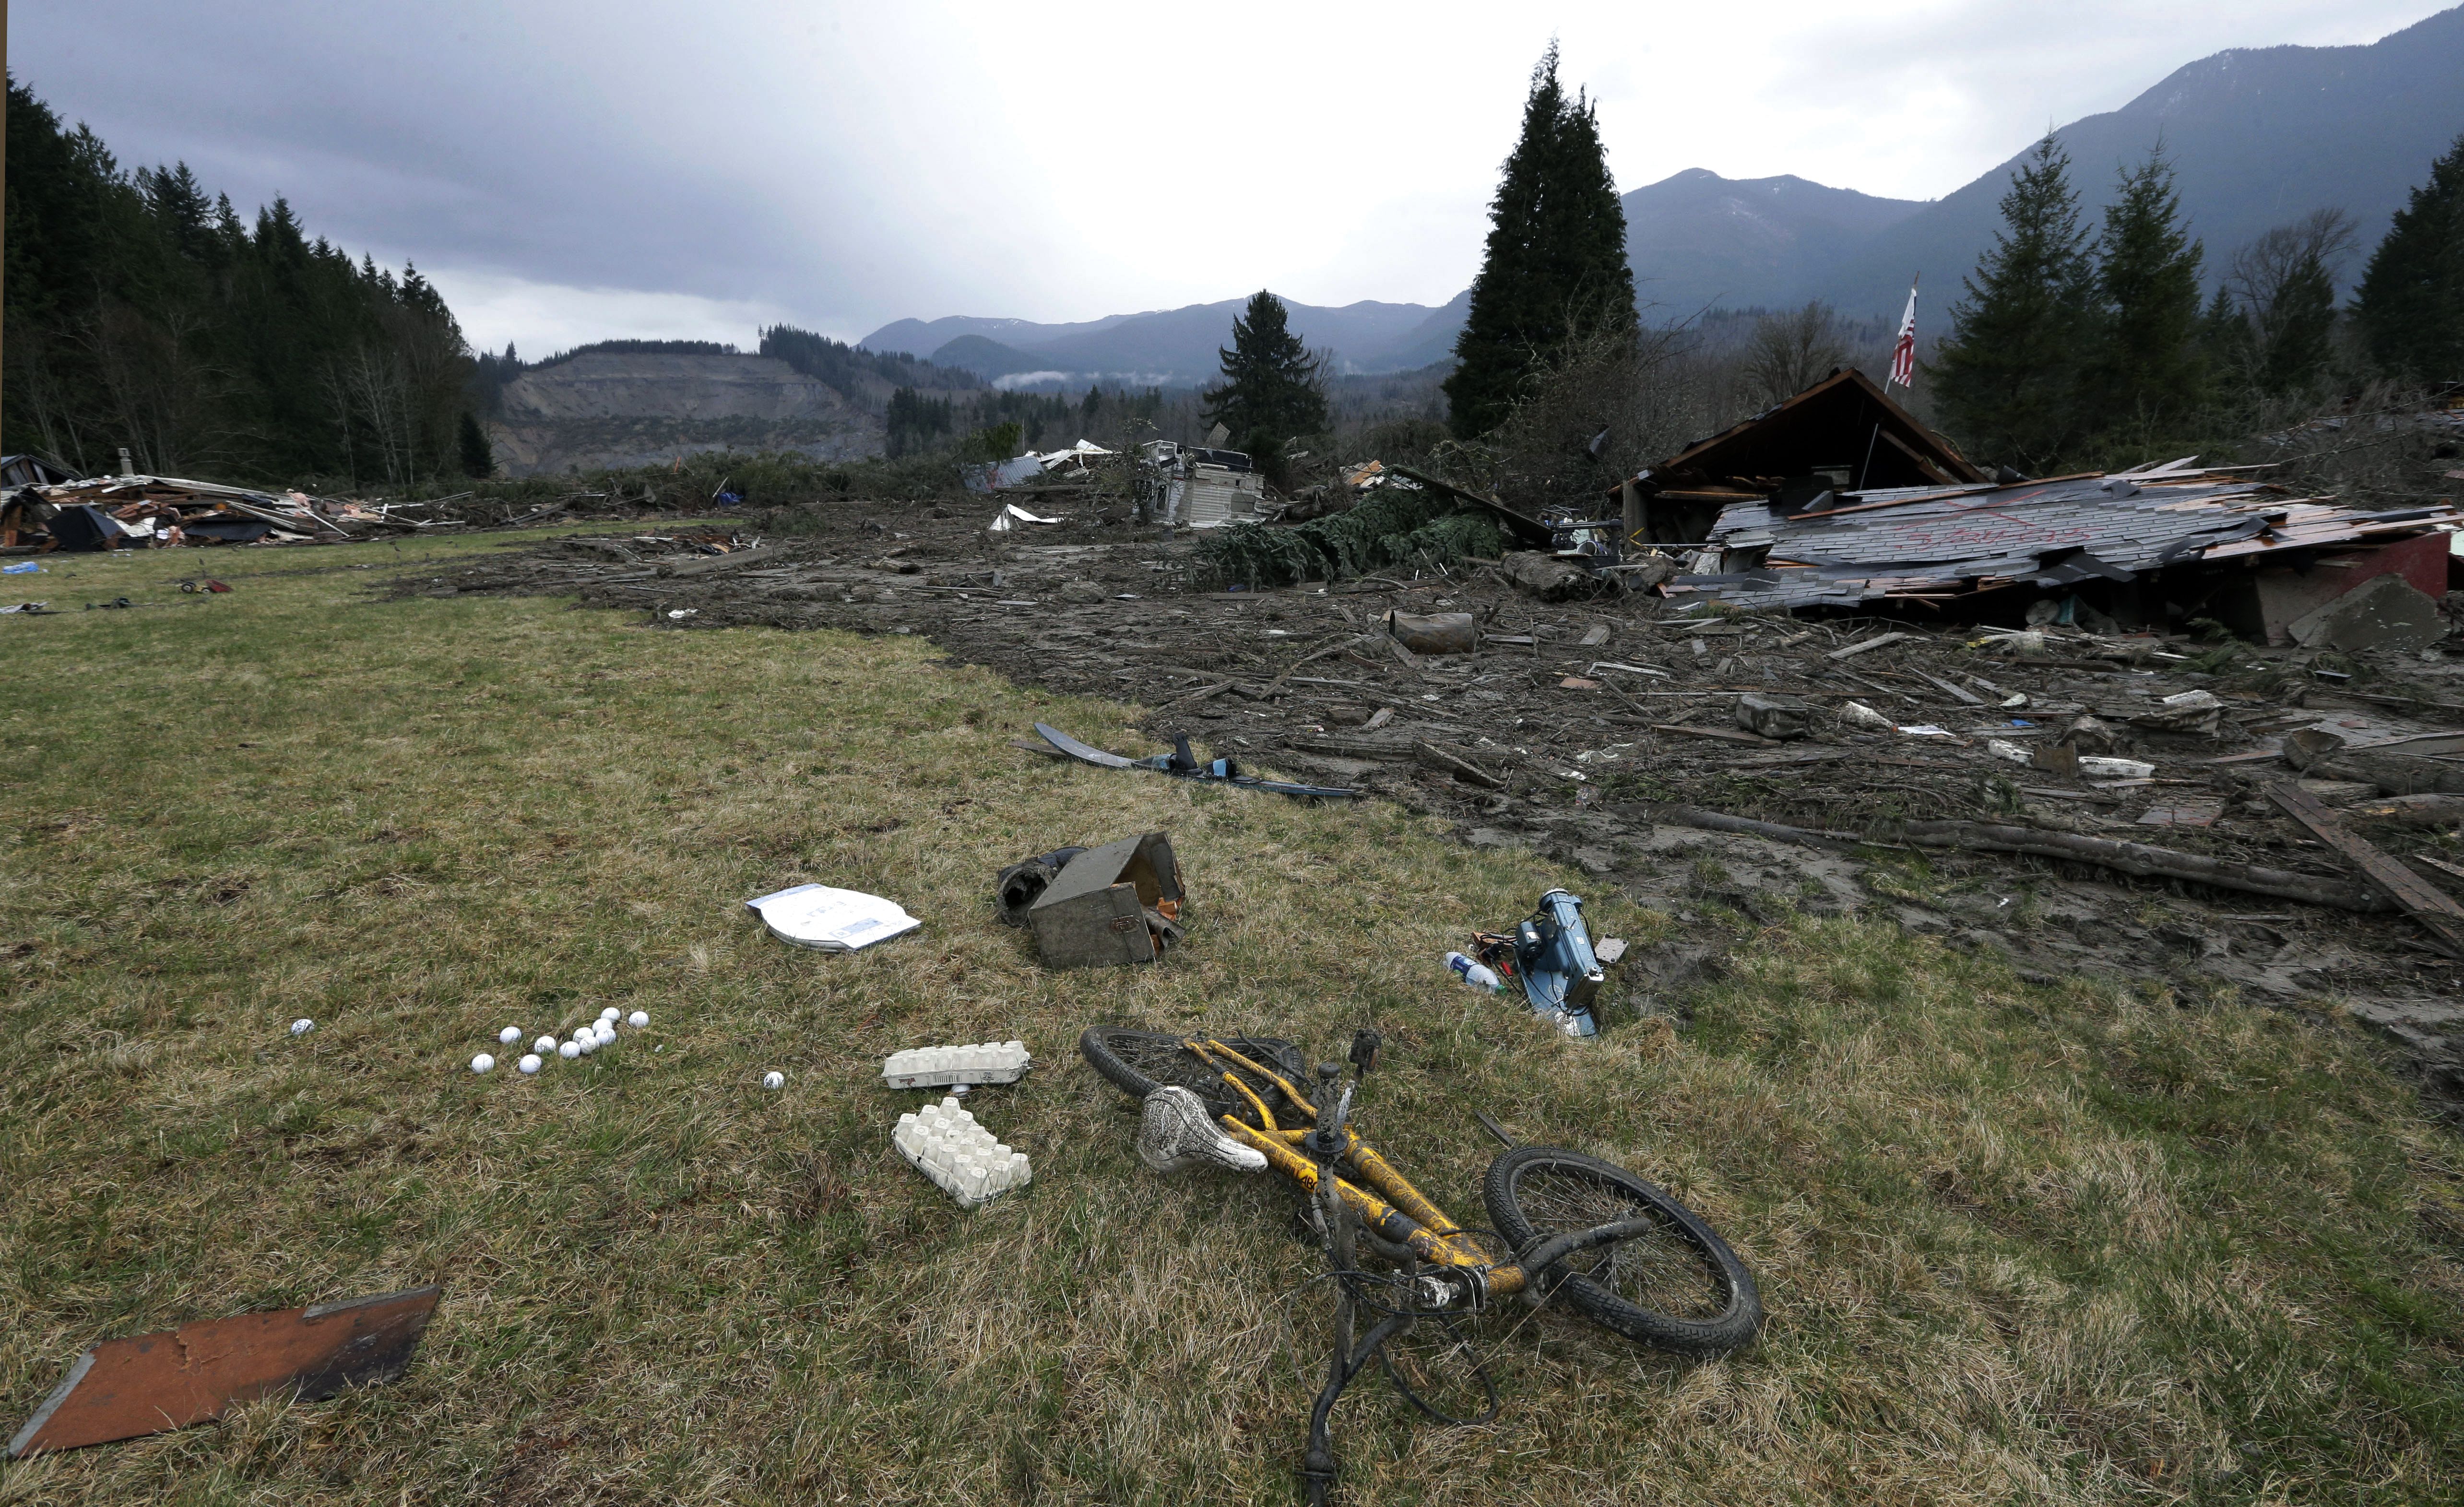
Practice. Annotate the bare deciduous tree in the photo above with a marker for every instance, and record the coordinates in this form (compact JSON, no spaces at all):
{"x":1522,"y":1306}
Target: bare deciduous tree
{"x":2264,"y":269}
{"x":1791,"y":352}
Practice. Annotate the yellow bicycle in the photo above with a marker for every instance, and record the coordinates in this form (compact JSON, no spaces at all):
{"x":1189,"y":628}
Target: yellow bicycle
{"x":1619,"y":1251}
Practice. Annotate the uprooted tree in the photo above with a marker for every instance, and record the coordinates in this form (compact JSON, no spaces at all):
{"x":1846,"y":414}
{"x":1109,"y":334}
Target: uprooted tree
{"x":1555,"y":265}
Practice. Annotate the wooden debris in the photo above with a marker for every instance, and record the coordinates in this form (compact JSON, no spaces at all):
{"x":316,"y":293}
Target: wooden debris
{"x":1863,"y":644}
{"x":2440,"y":916}
{"x":1436,"y":758}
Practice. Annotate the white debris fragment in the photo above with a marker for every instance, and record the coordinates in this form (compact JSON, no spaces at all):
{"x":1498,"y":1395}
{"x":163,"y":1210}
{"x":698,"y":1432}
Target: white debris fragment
{"x":483,"y":1063}
{"x":1857,"y":714}
{"x":945,"y":1143}
{"x":2005,"y":749}
{"x":933,"y":1067}
{"x":2116,"y":768}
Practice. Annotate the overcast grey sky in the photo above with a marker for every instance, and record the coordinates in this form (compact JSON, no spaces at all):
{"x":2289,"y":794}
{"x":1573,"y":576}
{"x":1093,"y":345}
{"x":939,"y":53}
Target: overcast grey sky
{"x":570,"y":171}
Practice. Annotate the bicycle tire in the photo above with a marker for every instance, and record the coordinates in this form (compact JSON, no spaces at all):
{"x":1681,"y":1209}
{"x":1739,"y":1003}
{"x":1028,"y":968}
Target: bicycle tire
{"x":1680,"y":1289}
{"x":1138,"y":1062}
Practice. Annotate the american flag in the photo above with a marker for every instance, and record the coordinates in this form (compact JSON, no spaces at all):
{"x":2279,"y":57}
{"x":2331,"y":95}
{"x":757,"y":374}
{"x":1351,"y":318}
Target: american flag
{"x":1904,"y":355}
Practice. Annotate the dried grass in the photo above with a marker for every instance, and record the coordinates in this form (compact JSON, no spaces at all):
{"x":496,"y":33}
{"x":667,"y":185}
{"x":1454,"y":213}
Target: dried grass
{"x":2074,"y":1246}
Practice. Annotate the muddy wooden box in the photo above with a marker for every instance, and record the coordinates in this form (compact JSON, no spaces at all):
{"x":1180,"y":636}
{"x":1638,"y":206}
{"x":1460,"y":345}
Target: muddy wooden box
{"x":1095,"y":913}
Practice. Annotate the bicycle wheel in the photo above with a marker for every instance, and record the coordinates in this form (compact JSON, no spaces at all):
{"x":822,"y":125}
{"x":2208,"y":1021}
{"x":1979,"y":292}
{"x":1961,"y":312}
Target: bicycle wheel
{"x":1139,"y":1062}
{"x":1678,"y":1288}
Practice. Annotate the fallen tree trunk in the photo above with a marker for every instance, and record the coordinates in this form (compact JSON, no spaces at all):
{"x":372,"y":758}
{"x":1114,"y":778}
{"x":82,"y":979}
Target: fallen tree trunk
{"x":2138,"y":858}
{"x":2126,"y":857}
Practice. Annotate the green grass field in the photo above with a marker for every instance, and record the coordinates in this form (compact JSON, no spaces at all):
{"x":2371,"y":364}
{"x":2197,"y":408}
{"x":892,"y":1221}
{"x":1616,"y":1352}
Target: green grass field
{"x":2018,"y":1244}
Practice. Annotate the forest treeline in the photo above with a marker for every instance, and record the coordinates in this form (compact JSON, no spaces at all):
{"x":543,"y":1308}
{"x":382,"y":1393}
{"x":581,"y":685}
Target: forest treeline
{"x":2077,"y":345}
{"x":143,"y":313}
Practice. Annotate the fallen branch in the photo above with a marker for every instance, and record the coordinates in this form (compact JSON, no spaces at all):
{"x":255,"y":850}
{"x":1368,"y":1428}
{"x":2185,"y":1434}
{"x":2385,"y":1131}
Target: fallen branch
{"x":1436,"y":758}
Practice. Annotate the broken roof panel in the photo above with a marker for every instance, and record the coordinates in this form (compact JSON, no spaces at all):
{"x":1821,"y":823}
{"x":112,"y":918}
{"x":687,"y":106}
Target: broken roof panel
{"x":1936,"y":542}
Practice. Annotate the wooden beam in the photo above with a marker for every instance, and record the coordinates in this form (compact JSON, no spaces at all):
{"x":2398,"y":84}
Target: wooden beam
{"x":2440,"y":916}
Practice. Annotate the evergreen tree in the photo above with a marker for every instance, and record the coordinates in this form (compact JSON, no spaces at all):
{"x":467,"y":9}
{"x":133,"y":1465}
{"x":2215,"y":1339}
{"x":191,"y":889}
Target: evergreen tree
{"x":1555,"y":266}
{"x":2006,"y":377}
{"x":2147,"y":367}
{"x":2225,"y":338}
{"x":2411,"y":298}
{"x":479,"y":457}
{"x":1272,"y":389}
{"x":2294,"y":332}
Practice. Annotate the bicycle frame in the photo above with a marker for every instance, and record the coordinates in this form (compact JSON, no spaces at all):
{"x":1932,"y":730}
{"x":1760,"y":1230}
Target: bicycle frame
{"x":1404,"y":1216}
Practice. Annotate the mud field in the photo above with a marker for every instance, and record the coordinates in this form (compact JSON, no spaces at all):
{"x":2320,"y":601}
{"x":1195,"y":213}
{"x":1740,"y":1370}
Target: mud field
{"x":1604,"y":733}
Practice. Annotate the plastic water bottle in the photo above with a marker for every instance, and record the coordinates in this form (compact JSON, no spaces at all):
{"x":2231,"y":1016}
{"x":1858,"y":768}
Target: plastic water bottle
{"x":1478,"y":975}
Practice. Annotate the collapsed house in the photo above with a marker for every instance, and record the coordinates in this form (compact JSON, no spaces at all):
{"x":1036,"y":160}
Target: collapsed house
{"x":50,"y":512}
{"x":1840,"y":497}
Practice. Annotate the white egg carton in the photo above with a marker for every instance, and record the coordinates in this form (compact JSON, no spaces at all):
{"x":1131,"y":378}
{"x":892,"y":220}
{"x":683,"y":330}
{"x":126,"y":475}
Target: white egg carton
{"x":935,"y":1067}
{"x":944,"y":1143}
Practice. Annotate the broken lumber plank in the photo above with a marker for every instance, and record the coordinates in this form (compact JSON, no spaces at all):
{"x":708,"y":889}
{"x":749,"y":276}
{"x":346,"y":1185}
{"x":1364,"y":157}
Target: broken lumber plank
{"x":2437,"y":915}
{"x":1965,"y":698}
{"x":1863,"y":644}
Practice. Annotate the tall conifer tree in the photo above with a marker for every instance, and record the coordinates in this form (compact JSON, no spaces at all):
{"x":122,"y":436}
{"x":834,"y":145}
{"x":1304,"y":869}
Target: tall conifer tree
{"x":1555,"y":262}
{"x":2147,"y":367}
{"x":1270,"y":391}
{"x":2006,"y":376}
{"x":2412,"y":298}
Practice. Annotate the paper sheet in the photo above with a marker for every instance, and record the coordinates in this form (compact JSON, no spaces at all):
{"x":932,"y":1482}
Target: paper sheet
{"x":832,"y":920}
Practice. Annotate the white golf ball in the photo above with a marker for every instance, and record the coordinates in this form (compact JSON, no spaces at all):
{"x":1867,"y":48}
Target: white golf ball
{"x":774,"y":1080}
{"x":609,"y":1013}
{"x":605,"y":1038}
{"x":482,"y":1063}
{"x":638,"y":1019}
{"x":569,"y":1050}
{"x":584,"y":1042}
{"x":509,"y":1035}
{"x":544,"y":1045}
{"x":530,"y":1062}
{"x":302,"y":1025}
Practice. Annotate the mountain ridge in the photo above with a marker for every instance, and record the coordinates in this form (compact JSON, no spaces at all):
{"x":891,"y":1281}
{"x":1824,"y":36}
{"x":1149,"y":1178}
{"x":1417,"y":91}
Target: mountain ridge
{"x":2259,"y":136}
